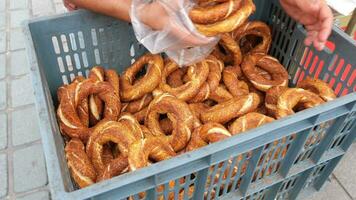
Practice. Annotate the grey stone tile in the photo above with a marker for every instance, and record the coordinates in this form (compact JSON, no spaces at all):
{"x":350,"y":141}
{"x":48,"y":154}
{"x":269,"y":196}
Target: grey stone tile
{"x":3,"y":99}
{"x":19,"y":64}
{"x":2,"y":5}
{"x":345,"y":172}
{"x":2,"y":21}
{"x":19,"y":4}
{"x":3,"y":131}
{"x":42,"y":7}
{"x":60,"y":8}
{"x":3,"y":175}
{"x":22,"y":91}
{"x":17,"y":39}
{"x":2,"y":66}
{"x":2,"y":41}
{"x":18,"y":16}
{"x":25,"y":126}
{"x":331,"y":190}
{"x":42,"y":195}
{"x":29,"y":165}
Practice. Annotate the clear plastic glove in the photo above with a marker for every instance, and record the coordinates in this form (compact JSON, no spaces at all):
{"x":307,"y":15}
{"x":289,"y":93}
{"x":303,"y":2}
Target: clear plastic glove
{"x":164,"y":26}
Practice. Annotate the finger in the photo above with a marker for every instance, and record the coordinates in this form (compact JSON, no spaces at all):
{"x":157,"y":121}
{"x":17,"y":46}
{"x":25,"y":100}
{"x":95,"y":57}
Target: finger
{"x":311,"y":37}
{"x":319,"y":45}
{"x":187,"y":37}
{"x":308,"y":5}
{"x":313,"y":27}
{"x":326,"y":18}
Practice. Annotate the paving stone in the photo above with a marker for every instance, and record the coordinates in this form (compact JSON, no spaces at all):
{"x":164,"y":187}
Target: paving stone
{"x":3,"y":131}
{"x":2,"y":66}
{"x":60,"y":8}
{"x":25,"y":126}
{"x":345,"y":172}
{"x":331,"y":190}
{"x":17,"y":39}
{"x":42,"y":7}
{"x":18,"y":16}
{"x":2,"y":5}
{"x":2,"y":21}
{"x":29,"y":168}
{"x":22,"y":91}
{"x":3,"y":95}
{"x":19,"y":64}
{"x":3,"y":175}
{"x":18,"y":4}
{"x":2,"y":41}
{"x":42,"y":195}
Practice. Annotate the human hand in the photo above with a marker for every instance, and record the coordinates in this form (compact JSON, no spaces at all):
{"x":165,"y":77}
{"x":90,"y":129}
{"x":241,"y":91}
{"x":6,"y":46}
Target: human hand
{"x":315,"y":15}
{"x":70,"y":6}
{"x":155,"y":16}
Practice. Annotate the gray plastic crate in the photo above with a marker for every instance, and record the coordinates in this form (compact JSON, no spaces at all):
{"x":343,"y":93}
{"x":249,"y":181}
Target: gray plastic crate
{"x":63,"y":46}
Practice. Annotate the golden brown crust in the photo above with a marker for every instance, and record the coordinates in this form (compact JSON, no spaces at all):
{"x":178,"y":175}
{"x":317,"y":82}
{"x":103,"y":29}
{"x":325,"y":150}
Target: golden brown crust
{"x":144,"y":150}
{"x":213,"y":80}
{"x":271,"y":99}
{"x":83,"y":108}
{"x":105,"y":132}
{"x":175,"y":79}
{"x":166,"y":126}
{"x":197,"y":75}
{"x":234,"y":20}
{"x":232,"y":78}
{"x":255,"y":28}
{"x":141,"y":115}
{"x":178,"y":113}
{"x":249,"y":121}
{"x":226,"y":111}
{"x":318,"y":87}
{"x":137,"y":105}
{"x":278,"y":73}
{"x":213,"y":13}
{"x":132,"y":123}
{"x":220,"y":94}
{"x":96,"y":106}
{"x":135,"y":89}
{"x":79,"y":164}
{"x":116,"y":167}
{"x":294,"y":96}
{"x":197,"y":109}
{"x":231,"y":45}
{"x":208,"y":133}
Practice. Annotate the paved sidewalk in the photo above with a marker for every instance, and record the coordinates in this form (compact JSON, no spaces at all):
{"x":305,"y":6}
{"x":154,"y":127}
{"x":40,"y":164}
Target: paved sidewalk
{"x":22,"y":166}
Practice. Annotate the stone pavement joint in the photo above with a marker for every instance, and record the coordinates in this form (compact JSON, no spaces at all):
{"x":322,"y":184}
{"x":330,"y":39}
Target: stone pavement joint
{"x":2,"y":66}
{"x":3,"y":99}
{"x":16,"y":64}
{"x":29,"y":165}
{"x":22,"y":91}
{"x":17,"y":17}
{"x":3,"y":131}
{"x":3,"y":176}
{"x":41,"y":195}
{"x":22,"y":121}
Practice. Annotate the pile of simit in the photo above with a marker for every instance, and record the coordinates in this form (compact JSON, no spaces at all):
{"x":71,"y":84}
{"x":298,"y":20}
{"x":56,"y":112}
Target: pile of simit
{"x":113,"y":125}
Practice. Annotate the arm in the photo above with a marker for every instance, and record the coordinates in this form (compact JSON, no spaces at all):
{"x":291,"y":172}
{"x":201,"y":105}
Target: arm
{"x":115,"y":8}
{"x":154,"y":16}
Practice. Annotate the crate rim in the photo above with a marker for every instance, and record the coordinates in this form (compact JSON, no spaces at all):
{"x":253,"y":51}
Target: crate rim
{"x":43,"y":106}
